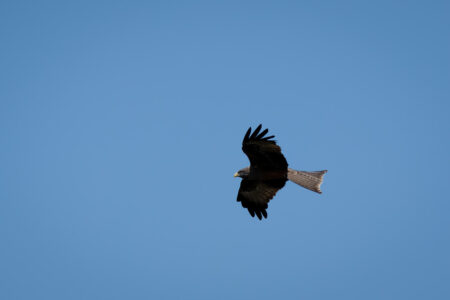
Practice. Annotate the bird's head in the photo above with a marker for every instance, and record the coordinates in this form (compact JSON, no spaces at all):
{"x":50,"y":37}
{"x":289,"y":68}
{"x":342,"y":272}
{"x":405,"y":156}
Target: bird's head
{"x":242,"y":172}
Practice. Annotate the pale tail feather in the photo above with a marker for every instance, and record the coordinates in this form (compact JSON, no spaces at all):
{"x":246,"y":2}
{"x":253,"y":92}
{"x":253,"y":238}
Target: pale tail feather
{"x":308,"y":180}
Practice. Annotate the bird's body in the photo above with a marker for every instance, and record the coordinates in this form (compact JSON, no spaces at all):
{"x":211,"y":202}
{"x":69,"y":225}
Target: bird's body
{"x":268,"y":173}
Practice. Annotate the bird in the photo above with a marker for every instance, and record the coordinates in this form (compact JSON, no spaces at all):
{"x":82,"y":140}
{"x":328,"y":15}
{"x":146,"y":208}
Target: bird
{"x":268,"y":173}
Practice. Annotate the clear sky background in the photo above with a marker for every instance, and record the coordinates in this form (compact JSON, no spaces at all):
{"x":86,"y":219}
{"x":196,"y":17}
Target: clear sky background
{"x":121,"y":125}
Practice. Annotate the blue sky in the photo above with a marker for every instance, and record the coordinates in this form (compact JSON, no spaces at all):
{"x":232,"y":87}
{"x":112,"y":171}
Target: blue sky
{"x":121,"y":125}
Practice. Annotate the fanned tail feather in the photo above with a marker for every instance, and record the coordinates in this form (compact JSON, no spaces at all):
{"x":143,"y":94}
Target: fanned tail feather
{"x":308,"y":180}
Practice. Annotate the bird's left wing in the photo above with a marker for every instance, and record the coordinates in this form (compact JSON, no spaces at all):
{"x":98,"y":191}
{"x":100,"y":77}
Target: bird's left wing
{"x":262,"y":151}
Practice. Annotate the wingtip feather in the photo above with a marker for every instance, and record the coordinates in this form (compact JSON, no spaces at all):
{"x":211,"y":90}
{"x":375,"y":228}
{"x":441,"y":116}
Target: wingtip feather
{"x":255,"y":133}
{"x":262,"y":134}
{"x":247,"y":134}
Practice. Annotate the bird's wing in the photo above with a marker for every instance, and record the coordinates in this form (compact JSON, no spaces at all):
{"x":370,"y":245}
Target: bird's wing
{"x":263,"y":152}
{"x":255,"y":195}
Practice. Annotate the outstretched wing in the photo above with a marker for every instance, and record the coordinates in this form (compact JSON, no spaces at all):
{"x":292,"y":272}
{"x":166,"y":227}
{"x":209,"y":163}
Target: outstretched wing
{"x":268,"y":172}
{"x":255,"y":195}
{"x":263,"y":152}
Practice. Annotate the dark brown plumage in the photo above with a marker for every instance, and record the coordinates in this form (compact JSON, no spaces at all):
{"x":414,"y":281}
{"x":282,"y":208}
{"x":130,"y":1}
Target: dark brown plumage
{"x":268,"y":173}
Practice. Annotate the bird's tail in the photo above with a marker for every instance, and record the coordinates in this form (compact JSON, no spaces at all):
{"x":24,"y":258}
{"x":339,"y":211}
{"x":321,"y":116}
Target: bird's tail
{"x":308,"y":180}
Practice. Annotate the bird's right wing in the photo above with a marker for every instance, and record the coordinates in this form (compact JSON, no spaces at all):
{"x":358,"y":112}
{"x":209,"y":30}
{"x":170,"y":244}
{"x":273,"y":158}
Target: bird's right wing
{"x":255,"y":195}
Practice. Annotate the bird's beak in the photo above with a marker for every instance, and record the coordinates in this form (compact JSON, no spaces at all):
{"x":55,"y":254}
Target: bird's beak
{"x":236,"y":174}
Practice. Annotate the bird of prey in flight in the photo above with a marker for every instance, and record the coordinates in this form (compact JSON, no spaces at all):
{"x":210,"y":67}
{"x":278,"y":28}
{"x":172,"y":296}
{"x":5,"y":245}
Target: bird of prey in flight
{"x":268,"y":173}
